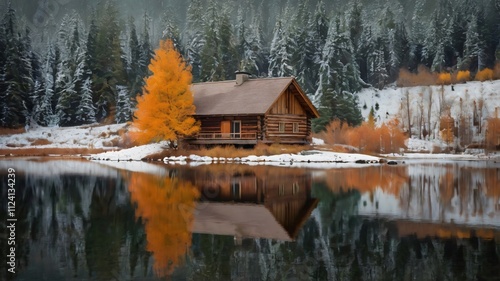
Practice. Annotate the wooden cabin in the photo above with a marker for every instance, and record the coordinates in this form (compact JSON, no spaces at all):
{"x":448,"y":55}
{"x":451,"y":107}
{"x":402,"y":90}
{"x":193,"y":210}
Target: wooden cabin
{"x":247,"y":111}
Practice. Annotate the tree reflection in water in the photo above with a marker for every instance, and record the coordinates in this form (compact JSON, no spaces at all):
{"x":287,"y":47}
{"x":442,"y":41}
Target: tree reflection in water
{"x":417,"y":221}
{"x":166,"y":205}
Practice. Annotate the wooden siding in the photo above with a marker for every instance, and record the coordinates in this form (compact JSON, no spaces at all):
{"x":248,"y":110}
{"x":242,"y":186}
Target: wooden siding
{"x":273,"y":133}
{"x":249,"y":124}
{"x":288,"y":103}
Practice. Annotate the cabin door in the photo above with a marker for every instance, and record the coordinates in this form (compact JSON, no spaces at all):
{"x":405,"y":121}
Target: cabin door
{"x":236,"y":129}
{"x":225,"y":129}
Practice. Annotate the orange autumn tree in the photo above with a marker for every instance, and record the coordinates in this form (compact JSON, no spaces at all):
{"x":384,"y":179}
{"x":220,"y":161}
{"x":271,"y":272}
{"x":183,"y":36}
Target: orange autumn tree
{"x":166,"y":205}
{"x":165,"y":110}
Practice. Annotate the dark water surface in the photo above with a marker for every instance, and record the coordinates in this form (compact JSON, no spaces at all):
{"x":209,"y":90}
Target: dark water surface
{"x":79,"y":220}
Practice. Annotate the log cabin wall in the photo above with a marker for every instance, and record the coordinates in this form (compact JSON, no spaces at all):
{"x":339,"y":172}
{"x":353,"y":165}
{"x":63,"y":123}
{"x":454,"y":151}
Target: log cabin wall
{"x":287,"y":128}
{"x":287,"y":120}
{"x":249,"y":124}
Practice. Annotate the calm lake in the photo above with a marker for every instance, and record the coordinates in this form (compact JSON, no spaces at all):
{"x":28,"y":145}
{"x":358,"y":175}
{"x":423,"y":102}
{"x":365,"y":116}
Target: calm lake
{"x":80,"y":220}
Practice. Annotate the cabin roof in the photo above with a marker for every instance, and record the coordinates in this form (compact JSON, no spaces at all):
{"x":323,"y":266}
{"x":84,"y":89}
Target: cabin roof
{"x":254,"y":96}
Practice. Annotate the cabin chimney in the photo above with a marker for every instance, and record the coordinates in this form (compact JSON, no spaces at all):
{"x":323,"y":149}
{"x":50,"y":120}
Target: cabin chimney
{"x":241,"y":77}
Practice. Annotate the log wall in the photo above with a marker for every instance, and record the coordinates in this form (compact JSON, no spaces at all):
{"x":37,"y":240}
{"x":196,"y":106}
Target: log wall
{"x":273,"y":133}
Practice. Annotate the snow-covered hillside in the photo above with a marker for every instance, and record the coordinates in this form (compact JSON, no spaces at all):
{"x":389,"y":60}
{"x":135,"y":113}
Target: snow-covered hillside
{"x":391,"y":101}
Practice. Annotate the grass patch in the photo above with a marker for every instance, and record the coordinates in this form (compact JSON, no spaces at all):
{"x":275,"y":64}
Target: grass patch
{"x":9,"y":131}
{"x":49,"y":151}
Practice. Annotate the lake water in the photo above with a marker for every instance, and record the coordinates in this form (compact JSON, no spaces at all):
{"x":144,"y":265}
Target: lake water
{"x":80,"y":220}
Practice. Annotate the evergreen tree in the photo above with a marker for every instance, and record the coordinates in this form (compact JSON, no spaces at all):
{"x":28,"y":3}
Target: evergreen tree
{"x":171,"y":32}
{"x":70,"y":70}
{"x":123,"y":105}
{"x":91,"y":48}
{"x":86,"y":110}
{"x":339,"y":78}
{"x":135,"y":74}
{"x":280,"y":54}
{"x":109,"y":69}
{"x":254,"y":59}
{"x":17,"y":74}
{"x":194,"y":37}
{"x":227,"y":61}
{"x":209,"y":57}
{"x":45,"y":107}
{"x":417,"y":35}
{"x":146,"y":49}
{"x":303,"y":48}
{"x":473,"y":46}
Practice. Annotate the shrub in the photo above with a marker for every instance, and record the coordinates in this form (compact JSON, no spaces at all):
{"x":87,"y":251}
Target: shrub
{"x":367,"y":138}
{"x":493,"y":133}
{"x":444,"y":78}
{"x":423,"y":77}
{"x":463,"y":76}
{"x":496,"y":71}
{"x":485,"y":74}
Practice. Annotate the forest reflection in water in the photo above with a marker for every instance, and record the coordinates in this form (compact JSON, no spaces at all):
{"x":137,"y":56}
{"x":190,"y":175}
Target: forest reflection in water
{"x":220,"y":222}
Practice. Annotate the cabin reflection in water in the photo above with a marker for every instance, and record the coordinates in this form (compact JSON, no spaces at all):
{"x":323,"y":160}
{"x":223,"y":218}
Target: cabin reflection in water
{"x":261,"y":202}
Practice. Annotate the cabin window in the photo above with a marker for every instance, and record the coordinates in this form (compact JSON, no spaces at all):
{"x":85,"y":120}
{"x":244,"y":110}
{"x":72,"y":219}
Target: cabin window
{"x":281,"y":127}
{"x":236,"y":129}
{"x":295,"y":127}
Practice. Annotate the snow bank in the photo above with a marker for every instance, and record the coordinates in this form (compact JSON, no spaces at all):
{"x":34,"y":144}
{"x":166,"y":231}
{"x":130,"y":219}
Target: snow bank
{"x":131,"y":154}
{"x":87,"y":136}
{"x":309,"y":158}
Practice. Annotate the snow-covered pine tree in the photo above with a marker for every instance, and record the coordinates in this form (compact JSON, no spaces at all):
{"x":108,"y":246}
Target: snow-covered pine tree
{"x":193,"y":37}
{"x":417,"y":35}
{"x":70,"y":70}
{"x":45,"y":105}
{"x":280,"y":53}
{"x":146,"y":49}
{"x":228,"y":62}
{"x":378,"y":70}
{"x":17,"y":74}
{"x":303,"y":48}
{"x":123,"y":105}
{"x":171,"y":31}
{"x":473,"y":46}
{"x":134,"y":73}
{"x":86,"y":109}
{"x":339,"y":78}
{"x":209,"y":56}
{"x":256,"y":55}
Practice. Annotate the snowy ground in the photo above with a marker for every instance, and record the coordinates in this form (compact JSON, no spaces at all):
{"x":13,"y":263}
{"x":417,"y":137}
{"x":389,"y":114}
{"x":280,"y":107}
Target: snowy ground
{"x":87,"y":136}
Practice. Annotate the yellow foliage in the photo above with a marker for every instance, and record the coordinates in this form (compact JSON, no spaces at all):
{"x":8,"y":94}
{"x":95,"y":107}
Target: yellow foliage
{"x":166,"y":205}
{"x":165,"y":110}
{"x":497,"y":71}
{"x":367,"y":138}
{"x":485,"y":74}
{"x":444,"y":78}
{"x":423,"y":77}
{"x":463,"y":75}
{"x":335,"y":132}
{"x":493,"y":133}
